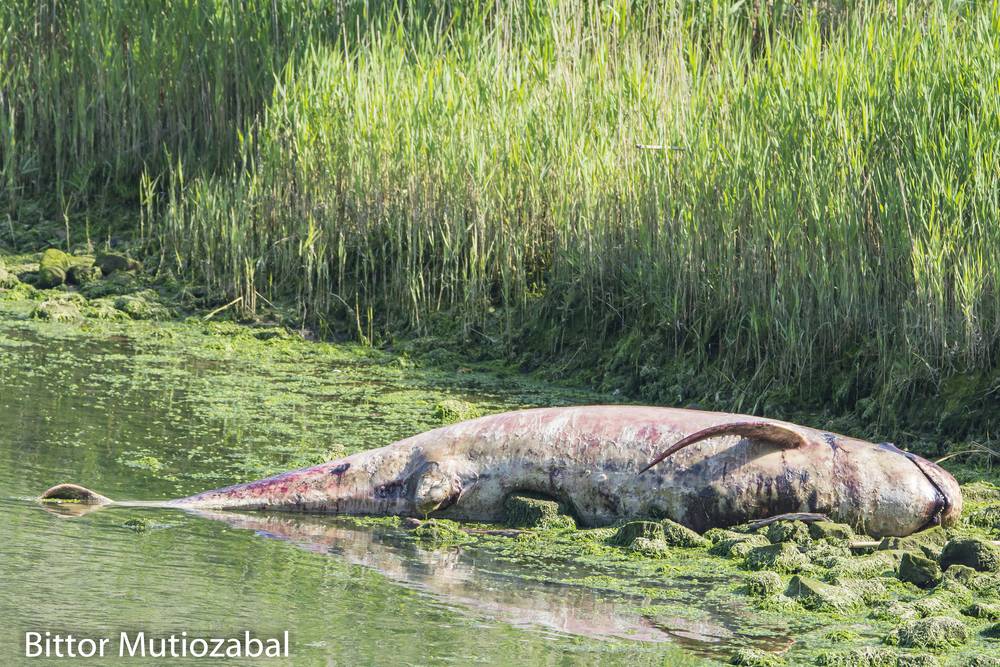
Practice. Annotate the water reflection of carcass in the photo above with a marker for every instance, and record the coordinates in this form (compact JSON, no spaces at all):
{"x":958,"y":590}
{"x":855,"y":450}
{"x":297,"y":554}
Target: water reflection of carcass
{"x":472,"y":580}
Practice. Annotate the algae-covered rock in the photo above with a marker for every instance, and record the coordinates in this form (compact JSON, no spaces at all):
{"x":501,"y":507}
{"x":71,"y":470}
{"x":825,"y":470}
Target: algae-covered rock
{"x":873,"y":656}
{"x":867,"y":567}
{"x":983,"y":661}
{"x":895,"y":611}
{"x":934,"y":605}
{"x":827,"y":553}
{"x":104,"y":309}
{"x":7,"y":279}
{"x":452,"y":410}
{"x":635,"y":529}
{"x":820,"y":530}
{"x":141,"y":306}
{"x":781,"y":557}
{"x":52,"y":268}
{"x":983,"y":611}
{"x":676,"y":535}
{"x":440,"y":531}
{"x":975,"y":553}
{"x":716,"y":535}
{"x":870,"y":591}
{"x":752,"y":657}
{"x":920,"y":571}
{"x":649,"y":548}
{"x":117,"y":285}
{"x":787,"y":531}
{"x":964,"y":575}
{"x":815,"y":595}
{"x":936,"y":632}
{"x":927,"y":542}
{"x":81,"y":274}
{"x":526,"y":511}
{"x":57,"y":310}
{"x":763,"y":584}
{"x":738,"y":545}
{"x":918,"y":660}
{"x":111,"y":262}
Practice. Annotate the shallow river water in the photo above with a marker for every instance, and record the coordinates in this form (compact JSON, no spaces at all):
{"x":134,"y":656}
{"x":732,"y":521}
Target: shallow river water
{"x":151,"y":411}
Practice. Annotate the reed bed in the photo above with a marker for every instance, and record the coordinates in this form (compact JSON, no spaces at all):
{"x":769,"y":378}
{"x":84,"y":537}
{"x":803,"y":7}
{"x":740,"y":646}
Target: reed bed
{"x":749,"y":204}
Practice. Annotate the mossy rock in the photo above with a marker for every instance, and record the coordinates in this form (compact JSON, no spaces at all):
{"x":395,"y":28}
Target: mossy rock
{"x":936,"y":632}
{"x":787,"y":531}
{"x":895,"y":611}
{"x":963,"y":575}
{"x":52,"y":268}
{"x":439,"y":531}
{"x":871,"y":591}
{"x":676,"y":535}
{"x":975,"y":553}
{"x":992,"y":632}
{"x":452,"y":410}
{"x":141,"y":306}
{"x":935,"y":605}
{"x":57,"y":310}
{"x":117,"y":285}
{"x":828,"y":530}
{"x":983,"y":611}
{"x":753,"y":657}
{"x":649,"y":548}
{"x":716,"y":535}
{"x":919,"y":571}
{"x":527,"y":511}
{"x":918,"y":660}
{"x":7,"y":279}
{"x":842,"y":635}
{"x":927,"y":543}
{"x":763,"y":584}
{"x":867,"y":656}
{"x":827,"y":553}
{"x":104,"y":309}
{"x":112,"y":262}
{"x":781,"y":557}
{"x":814,"y":594}
{"x":867,"y":567}
{"x":983,"y":661}
{"x":633,"y":530}
{"x":737,"y":546}
{"x":81,"y":274}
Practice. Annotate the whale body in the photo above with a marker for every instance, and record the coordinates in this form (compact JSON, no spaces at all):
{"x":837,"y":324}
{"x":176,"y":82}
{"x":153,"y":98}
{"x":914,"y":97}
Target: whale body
{"x":606,"y":464}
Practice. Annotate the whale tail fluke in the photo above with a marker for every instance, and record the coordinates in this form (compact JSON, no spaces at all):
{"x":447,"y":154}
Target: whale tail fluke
{"x":74,"y":493}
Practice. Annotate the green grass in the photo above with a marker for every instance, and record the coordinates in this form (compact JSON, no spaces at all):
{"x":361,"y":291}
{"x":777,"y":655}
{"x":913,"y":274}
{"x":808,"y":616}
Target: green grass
{"x":820,"y":228}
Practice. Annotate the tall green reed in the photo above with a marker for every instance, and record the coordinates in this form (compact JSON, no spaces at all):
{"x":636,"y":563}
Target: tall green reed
{"x":688,"y":197}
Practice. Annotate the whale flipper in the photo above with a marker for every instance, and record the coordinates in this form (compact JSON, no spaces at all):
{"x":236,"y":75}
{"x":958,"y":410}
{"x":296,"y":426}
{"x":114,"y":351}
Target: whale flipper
{"x":779,"y":435}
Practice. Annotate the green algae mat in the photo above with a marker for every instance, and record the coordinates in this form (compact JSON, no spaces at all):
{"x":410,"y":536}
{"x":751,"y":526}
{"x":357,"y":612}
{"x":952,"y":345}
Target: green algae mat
{"x":154,"y":409}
